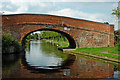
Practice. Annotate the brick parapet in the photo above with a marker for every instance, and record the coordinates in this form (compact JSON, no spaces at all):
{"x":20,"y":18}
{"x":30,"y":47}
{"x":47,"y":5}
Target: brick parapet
{"x":29,"y":18}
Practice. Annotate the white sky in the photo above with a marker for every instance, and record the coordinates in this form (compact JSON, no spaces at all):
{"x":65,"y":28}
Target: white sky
{"x":93,"y":10}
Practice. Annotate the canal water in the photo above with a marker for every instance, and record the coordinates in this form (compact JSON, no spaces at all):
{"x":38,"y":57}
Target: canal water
{"x":44,"y":60}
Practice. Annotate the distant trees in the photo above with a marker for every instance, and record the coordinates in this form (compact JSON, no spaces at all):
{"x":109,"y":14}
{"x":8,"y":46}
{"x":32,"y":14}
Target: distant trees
{"x":49,"y":34}
{"x":32,"y":36}
{"x":45,"y":35}
{"x":52,"y":35}
{"x":106,"y":23}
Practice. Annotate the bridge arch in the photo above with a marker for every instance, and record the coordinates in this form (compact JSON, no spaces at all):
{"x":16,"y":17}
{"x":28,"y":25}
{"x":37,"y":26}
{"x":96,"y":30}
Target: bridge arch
{"x":72,"y":43}
{"x":82,"y":33}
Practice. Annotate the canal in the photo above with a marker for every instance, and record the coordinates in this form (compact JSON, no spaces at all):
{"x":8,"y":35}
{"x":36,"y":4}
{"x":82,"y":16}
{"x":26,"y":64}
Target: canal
{"x":44,"y":60}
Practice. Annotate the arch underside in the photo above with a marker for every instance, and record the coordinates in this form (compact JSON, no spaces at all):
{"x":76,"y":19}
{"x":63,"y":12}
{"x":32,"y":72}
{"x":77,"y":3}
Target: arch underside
{"x":72,"y":43}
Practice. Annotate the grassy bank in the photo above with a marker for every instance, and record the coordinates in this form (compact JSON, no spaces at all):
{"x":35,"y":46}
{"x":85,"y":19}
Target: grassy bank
{"x":110,"y":52}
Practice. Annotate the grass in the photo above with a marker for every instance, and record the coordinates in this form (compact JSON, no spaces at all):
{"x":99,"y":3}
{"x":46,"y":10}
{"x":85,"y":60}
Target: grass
{"x":64,"y":44}
{"x":111,"y":51}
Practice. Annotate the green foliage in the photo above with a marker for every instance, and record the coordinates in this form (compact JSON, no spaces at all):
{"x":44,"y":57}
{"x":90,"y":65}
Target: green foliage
{"x":65,"y":44}
{"x":117,"y":37}
{"x":55,"y":37}
{"x":106,"y":23}
{"x":35,"y":36}
{"x":8,"y":41}
{"x":49,"y":34}
{"x":32,"y":36}
{"x":116,"y":12}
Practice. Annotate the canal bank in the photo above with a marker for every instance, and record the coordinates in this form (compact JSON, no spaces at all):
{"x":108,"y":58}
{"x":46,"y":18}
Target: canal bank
{"x":112,"y":57}
{"x":106,"y":53}
{"x":58,"y":44}
{"x":43,"y":60}
{"x":111,"y":54}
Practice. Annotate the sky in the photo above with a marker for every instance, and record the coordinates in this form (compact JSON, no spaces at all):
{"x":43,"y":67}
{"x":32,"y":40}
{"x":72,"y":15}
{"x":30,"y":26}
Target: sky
{"x":93,"y":10}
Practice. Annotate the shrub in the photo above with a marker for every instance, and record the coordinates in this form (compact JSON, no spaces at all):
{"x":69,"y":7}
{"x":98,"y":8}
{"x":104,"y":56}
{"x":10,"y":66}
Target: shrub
{"x":117,"y":37}
{"x":9,"y":44}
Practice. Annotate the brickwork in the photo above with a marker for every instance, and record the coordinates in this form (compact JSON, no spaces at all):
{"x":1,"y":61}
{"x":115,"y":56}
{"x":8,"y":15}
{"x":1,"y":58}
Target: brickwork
{"x":81,"y":33}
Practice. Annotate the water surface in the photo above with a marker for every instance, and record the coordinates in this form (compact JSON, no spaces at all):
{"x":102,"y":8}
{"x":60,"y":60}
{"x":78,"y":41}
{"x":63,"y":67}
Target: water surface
{"x":43,"y":60}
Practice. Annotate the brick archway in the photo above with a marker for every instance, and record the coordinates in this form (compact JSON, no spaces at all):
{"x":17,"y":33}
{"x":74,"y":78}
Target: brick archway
{"x":72,"y":43}
{"x":85,"y":33}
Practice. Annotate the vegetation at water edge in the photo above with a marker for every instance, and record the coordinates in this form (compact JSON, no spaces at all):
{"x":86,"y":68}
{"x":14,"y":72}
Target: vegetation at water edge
{"x":9,"y":44}
{"x":55,"y":37}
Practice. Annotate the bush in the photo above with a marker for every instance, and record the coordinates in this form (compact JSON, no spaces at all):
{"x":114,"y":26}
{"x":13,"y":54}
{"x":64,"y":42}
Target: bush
{"x":117,"y":37}
{"x":9,"y":44}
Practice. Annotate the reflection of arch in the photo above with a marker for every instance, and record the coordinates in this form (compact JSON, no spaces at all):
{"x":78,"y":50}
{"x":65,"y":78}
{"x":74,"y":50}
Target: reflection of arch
{"x":65,"y":65}
{"x":72,"y":43}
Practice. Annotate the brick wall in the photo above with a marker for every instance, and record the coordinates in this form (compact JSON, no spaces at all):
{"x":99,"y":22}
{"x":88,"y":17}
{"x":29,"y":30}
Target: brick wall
{"x":84,"y":33}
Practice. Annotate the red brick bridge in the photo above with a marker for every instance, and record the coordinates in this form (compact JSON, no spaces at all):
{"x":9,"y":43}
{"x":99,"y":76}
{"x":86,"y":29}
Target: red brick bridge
{"x":80,"y":33}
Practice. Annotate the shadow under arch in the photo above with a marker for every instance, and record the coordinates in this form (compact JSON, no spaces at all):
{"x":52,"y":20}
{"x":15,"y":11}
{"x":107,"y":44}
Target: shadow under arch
{"x":72,"y":43}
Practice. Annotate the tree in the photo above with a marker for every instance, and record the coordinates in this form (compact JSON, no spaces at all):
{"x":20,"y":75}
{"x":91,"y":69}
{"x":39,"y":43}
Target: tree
{"x":36,"y":36}
{"x":116,"y":12}
{"x":106,"y":23}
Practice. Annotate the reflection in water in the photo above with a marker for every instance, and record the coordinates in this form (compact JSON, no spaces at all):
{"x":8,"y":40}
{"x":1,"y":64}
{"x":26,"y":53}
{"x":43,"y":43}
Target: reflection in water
{"x":10,"y":64}
{"x":84,"y":68}
{"x":44,"y":58}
